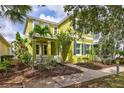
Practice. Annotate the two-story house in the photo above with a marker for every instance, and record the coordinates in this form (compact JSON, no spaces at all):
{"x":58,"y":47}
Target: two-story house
{"x":44,"y":47}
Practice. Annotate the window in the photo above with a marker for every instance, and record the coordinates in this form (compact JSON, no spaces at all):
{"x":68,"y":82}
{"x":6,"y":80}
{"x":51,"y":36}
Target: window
{"x":35,"y":23}
{"x":75,"y":24}
{"x":87,"y":49}
{"x":46,"y":25}
{"x":37,"y":49}
{"x":55,"y":30}
{"x":82,"y":49}
{"x":45,"y":49}
{"x":96,"y":35}
{"x":78,"y":49}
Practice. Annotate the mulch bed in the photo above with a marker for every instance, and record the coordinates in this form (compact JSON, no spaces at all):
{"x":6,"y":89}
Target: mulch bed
{"x":13,"y":70}
{"x":59,"y":70}
{"x":20,"y":77}
{"x":95,"y":65}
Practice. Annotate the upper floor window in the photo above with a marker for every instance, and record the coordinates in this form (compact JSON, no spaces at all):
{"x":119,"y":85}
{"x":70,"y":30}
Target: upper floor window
{"x":46,"y":25}
{"x":55,"y":30}
{"x":96,"y":35}
{"x":75,"y":24}
{"x":35,"y":23}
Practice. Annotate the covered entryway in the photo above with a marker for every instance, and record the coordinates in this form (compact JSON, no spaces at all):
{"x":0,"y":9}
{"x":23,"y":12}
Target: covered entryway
{"x":43,"y":49}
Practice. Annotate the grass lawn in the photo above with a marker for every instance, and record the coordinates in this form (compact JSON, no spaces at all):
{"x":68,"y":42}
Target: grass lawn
{"x":111,"y":81}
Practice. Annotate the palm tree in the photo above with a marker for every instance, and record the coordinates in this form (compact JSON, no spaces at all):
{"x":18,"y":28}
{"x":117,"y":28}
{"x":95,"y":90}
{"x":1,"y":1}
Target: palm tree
{"x":16,"y":13}
{"x":41,"y":30}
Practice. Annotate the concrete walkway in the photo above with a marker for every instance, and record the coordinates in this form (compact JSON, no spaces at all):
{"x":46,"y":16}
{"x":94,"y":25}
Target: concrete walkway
{"x":62,"y":81}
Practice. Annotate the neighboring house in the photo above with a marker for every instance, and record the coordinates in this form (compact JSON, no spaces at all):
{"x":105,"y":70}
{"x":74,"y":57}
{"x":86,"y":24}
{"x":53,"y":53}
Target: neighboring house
{"x":4,"y":46}
{"x":44,"y":47}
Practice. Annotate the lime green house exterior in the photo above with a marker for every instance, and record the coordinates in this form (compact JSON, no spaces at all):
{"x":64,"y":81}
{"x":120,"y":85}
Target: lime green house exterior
{"x":43,"y":48}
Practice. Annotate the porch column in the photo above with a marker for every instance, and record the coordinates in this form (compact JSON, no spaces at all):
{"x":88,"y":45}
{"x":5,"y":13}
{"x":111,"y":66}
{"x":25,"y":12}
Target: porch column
{"x":34,"y":50}
{"x":49,"y":50}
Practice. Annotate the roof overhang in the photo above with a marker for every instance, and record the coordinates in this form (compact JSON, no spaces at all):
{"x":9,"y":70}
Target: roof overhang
{"x":2,"y":38}
{"x":43,"y":20}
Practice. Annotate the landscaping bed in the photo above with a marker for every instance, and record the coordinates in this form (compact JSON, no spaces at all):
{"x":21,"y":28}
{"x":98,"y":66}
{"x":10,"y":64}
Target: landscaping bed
{"x":28,"y":75}
{"x":59,"y":70}
{"x":95,"y":65}
{"x":111,"y":81}
{"x":12,"y":70}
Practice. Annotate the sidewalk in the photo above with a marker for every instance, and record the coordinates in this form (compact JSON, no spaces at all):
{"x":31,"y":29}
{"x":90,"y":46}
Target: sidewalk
{"x":62,"y":81}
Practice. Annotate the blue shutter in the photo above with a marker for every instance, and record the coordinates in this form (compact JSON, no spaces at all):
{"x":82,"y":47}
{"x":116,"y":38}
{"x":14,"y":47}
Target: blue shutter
{"x":82,"y":49}
{"x":75,"y":47}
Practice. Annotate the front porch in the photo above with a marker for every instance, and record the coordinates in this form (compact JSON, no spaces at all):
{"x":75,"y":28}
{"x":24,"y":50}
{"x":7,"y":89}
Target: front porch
{"x":43,"y":49}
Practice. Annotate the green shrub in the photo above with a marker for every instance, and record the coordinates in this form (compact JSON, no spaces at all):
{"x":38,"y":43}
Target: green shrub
{"x":26,"y":58}
{"x":107,"y":60}
{"x":55,"y":60}
{"x":120,"y":52}
{"x":4,"y":65}
{"x":6,"y":57}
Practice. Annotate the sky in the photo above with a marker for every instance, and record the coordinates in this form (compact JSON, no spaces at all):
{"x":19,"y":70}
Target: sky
{"x":52,"y":13}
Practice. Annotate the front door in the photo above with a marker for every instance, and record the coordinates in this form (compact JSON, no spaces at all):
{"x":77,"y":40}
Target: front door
{"x":44,"y":52}
{"x":45,"y":49}
{"x":38,"y":52}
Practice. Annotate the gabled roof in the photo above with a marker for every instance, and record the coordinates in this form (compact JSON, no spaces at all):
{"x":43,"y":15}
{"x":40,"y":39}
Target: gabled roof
{"x":43,"y":20}
{"x":3,"y":39}
{"x":37,"y":19}
{"x":63,"y":20}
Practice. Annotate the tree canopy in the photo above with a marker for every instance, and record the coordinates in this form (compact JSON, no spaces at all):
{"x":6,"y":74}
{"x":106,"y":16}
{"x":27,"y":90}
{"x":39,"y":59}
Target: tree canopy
{"x":106,"y":19}
{"x":93,"y":18}
{"x":16,"y":13}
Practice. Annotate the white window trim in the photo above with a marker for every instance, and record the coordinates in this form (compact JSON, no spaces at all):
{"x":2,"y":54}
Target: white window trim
{"x":54,"y":30}
{"x":46,"y":24}
{"x":43,"y":49}
{"x":35,"y":22}
{"x":80,"y":50}
{"x":39,"y":49}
